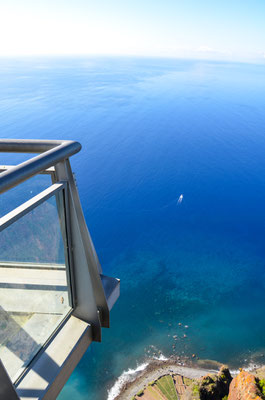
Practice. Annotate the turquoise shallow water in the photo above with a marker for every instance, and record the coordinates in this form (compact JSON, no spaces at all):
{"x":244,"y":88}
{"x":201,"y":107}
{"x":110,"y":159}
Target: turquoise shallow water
{"x":152,"y":130}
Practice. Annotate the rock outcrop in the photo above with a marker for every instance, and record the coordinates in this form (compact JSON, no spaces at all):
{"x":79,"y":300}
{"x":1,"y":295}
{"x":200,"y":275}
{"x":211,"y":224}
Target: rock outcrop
{"x":215,"y":386}
{"x":245,"y":386}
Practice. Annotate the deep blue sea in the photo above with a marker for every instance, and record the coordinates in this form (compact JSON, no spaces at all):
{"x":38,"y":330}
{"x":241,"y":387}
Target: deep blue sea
{"x":151,"y":130}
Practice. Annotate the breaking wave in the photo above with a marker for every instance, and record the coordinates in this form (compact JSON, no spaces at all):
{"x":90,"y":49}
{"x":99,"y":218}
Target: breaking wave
{"x":126,"y":377}
{"x":161,"y":358}
{"x":130,"y":376}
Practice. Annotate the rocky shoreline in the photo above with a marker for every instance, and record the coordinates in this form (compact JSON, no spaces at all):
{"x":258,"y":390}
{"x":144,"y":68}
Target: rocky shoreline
{"x":157,"y":368}
{"x":184,"y":368}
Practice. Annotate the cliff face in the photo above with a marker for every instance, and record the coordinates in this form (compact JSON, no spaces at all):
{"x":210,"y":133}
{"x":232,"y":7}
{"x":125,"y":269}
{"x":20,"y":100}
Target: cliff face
{"x":244,"y":387}
{"x":215,"y":386}
{"x":221,"y":386}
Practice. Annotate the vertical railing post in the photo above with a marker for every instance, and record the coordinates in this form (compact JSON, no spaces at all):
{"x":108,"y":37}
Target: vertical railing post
{"x":82,"y":243}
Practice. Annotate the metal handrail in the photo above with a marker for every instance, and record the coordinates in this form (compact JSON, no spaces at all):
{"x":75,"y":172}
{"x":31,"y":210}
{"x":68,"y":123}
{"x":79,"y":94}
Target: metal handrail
{"x":52,"y":152}
{"x":93,"y":294}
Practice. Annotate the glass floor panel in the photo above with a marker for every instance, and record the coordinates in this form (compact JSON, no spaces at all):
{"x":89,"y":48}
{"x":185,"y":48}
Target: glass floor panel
{"x":34,"y":285}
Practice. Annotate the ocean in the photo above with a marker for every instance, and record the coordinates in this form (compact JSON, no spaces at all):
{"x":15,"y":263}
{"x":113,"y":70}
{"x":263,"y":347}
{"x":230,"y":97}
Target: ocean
{"x":153,"y":130}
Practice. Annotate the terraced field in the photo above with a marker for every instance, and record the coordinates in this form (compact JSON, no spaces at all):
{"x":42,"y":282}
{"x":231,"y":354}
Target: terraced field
{"x":167,"y":387}
{"x":162,"y":389}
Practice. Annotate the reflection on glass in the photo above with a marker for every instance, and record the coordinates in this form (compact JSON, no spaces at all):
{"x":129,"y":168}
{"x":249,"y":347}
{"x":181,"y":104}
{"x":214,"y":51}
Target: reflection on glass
{"x":23,"y":192}
{"x":34,"y":284}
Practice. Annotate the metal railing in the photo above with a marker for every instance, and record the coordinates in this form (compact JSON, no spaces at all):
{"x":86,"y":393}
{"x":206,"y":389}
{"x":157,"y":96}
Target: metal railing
{"x":76,"y":289}
{"x":53,"y":151}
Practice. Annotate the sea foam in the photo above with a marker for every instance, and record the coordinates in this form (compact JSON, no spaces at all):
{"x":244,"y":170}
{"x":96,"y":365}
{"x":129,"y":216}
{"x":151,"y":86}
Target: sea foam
{"x":130,"y":376}
{"x":161,"y":358}
{"x":126,"y":377}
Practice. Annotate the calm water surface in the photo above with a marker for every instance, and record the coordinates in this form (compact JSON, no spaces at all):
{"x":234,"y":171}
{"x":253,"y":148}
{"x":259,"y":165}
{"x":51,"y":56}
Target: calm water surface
{"x":152,"y":130}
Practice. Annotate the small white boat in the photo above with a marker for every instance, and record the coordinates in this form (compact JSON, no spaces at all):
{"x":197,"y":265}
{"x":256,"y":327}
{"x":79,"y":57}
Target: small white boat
{"x":180,"y":198}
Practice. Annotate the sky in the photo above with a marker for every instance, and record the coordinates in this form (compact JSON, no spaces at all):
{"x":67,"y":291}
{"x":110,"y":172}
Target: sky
{"x":212,"y":29}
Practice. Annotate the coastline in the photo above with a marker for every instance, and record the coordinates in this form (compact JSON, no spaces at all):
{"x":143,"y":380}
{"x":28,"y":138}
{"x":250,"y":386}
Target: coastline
{"x":157,"y":368}
{"x":154,"y":369}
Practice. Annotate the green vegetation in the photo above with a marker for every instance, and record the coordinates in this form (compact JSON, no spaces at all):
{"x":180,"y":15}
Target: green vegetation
{"x":261,"y":384}
{"x":167,"y":387}
{"x":195,"y":389}
{"x":154,"y":394}
{"x":151,"y":383}
{"x":214,"y":386}
{"x":187,"y":381}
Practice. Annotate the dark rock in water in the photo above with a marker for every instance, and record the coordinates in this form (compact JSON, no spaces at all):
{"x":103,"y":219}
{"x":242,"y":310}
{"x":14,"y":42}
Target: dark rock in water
{"x":215,"y":386}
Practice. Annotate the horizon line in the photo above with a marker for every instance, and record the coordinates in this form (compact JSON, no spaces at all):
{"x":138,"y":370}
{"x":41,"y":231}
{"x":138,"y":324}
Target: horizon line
{"x":241,"y":60}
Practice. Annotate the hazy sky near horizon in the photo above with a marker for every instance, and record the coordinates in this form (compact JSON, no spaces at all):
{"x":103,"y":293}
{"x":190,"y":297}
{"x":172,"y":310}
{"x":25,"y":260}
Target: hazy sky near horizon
{"x":217,"y":29}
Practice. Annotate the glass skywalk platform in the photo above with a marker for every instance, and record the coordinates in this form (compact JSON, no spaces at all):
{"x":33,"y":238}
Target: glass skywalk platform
{"x":54,"y":299}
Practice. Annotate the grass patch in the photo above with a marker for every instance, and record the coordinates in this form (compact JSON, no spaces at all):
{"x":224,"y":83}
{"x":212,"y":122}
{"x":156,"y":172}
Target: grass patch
{"x":167,"y":387}
{"x":187,"y":381}
{"x":154,"y":394}
{"x":195,"y":389}
{"x":151,"y":383}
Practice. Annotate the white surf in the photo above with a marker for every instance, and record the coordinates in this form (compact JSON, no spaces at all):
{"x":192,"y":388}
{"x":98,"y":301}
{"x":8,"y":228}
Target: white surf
{"x":126,"y":376}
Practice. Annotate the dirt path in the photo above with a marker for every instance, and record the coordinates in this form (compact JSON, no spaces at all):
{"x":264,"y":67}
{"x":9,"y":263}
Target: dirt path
{"x":151,"y":375}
